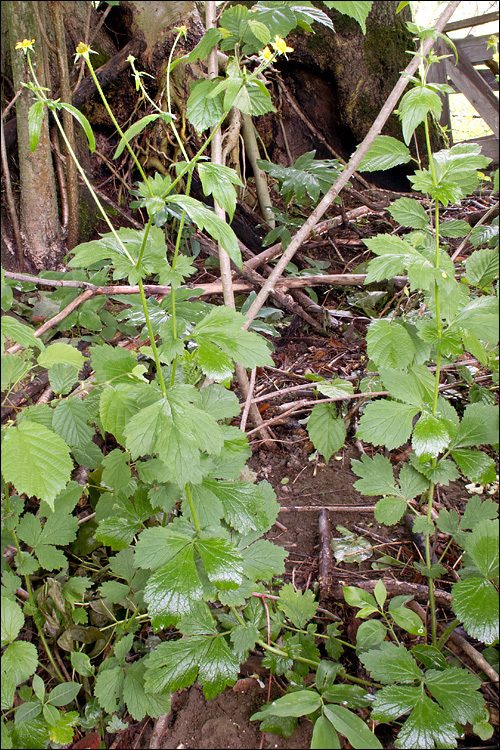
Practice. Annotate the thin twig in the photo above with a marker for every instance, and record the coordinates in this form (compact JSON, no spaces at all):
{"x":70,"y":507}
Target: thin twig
{"x":481,"y":221}
{"x":249,"y":400}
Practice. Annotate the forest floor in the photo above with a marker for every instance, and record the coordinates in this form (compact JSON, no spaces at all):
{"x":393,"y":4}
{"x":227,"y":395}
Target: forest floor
{"x":303,"y":485}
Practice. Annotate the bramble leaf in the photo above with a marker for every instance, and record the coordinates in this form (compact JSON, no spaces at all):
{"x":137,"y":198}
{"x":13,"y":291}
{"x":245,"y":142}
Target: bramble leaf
{"x":70,"y":422}
{"x":409,"y":213}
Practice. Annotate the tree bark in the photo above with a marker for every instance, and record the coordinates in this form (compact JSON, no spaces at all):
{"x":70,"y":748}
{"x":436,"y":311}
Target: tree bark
{"x":40,"y":227}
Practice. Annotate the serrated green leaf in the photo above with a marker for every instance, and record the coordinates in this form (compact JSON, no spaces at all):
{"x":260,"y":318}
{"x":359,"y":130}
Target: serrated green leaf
{"x":482,"y":546}
{"x":475,"y":602}
{"x":413,"y":387}
{"x":222,"y":562}
{"x":116,"y":474}
{"x":387,"y":423}
{"x":427,"y":726}
{"x":12,"y":620}
{"x":457,"y":692}
{"x":262,"y":560}
{"x":357,"y":10}
{"x":390,"y":510}
{"x":454,"y":228}
{"x":409,"y":213}
{"x":335,"y":388}
{"x":108,"y":688}
{"x":208,"y":41}
{"x":243,"y":637}
{"x":389,"y":345}
{"x":326,"y":430}
{"x":62,"y":378}
{"x":13,"y":370}
{"x":414,"y":107}
{"x":113,"y":591}
{"x":223,"y":327}
{"x":390,"y":663}
{"x":299,"y":607}
{"x":69,"y":420}
{"x":479,"y":426}
{"x":376,"y":474}
{"x":431,"y":436}
{"x":173,"y":588}
{"x":139,"y":702}
{"x":36,"y":461}
{"x":204,"y":111}
{"x":118,"y":532}
{"x":284,"y":725}
{"x":477,"y":466}
{"x":61,"y":353}
{"x":481,"y":268}
{"x":219,"y":181}
{"x":218,"y":668}
{"x":19,"y":661}
{"x":384,"y":153}
{"x":307,"y":178}
{"x":477,"y":510}
{"x":116,"y":409}
{"x":480,"y":317}
{"x":352,"y":727}
{"x":112,"y":362}
{"x":19,"y":332}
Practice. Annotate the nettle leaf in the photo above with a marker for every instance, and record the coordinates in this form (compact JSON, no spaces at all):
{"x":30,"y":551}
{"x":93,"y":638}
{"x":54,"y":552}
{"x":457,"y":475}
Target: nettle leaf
{"x":222,"y":328}
{"x":387,"y":423}
{"x":475,"y":603}
{"x":299,"y":607}
{"x":385,"y":153}
{"x":36,"y":461}
{"x":390,"y":663}
{"x":409,"y":213}
{"x":389,"y":345}
{"x":414,"y":107}
{"x":204,"y":218}
{"x":326,"y":430}
{"x":219,"y":181}
{"x":204,"y":111}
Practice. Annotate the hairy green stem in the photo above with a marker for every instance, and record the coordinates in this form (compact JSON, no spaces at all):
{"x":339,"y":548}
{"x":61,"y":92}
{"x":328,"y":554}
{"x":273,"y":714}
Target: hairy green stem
{"x":152,"y":338}
{"x":193,"y":509}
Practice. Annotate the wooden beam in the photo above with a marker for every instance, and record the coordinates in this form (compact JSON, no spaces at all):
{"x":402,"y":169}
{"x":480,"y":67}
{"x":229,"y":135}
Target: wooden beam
{"x":476,"y":21}
{"x":475,"y":47}
{"x":466,"y":78}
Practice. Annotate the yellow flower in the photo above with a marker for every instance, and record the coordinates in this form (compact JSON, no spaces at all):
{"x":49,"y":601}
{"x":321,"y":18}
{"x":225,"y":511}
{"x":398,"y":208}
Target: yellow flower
{"x":25,"y":45}
{"x":266,"y":54}
{"x":83,"y":50}
{"x":280,"y":46}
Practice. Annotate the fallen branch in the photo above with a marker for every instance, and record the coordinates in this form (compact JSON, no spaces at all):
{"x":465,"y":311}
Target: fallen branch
{"x":325,"y":553}
{"x":331,"y":508}
{"x":418,"y":590}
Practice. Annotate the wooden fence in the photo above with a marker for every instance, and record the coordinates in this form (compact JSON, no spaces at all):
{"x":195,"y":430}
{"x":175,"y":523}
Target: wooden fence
{"x":478,"y":86}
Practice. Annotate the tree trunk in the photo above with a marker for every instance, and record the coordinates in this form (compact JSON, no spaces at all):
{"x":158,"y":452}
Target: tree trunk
{"x":40,"y":226}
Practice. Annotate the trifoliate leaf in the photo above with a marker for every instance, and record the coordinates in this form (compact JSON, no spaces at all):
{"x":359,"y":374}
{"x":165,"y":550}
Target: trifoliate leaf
{"x":391,"y":663}
{"x":326,"y":430}
{"x":36,"y":461}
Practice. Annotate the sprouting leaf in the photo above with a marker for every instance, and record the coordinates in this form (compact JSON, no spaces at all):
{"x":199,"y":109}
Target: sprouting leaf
{"x":414,"y":107}
{"x":326,"y":430}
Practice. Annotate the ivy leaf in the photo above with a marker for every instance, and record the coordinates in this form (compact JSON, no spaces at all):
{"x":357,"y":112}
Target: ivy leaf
{"x":385,"y":153}
{"x":390,"y":663}
{"x":389,"y":345}
{"x":409,"y":213}
{"x":219,"y":181}
{"x":475,"y":603}
{"x":352,"y":727}
{"x":36,"y":461}
{"x":326,"y":430}
{"x":223,"y":327}
{"x":299,"y":607}
{"x":204,"y":218}
{"x":457,"y":692}
{"x":388,"y":423}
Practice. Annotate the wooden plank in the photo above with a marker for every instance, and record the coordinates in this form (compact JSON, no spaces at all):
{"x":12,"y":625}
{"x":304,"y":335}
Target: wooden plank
{"x":476,"y":21}
{"x":475,"y":88}
{"x":475,"y":47}
{"x":489,"y":148}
